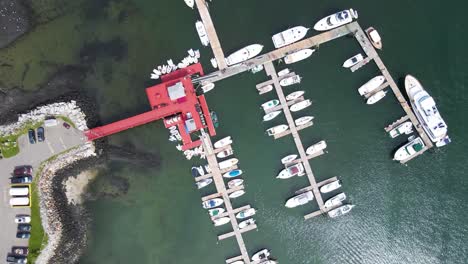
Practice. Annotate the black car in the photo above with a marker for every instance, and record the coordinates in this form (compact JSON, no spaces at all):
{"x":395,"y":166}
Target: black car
{"x":24,"y":227}
{"x":21,"y":179}
{"x":40,"y":134}
{"x":24,"y":235}
{"x":16,"y":259}
{"x":32,"y":136}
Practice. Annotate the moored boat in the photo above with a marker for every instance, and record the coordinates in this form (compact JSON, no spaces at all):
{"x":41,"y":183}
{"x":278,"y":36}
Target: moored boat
{"x":236,"y":194}
{"x":245,"y":213}
{"x":404,"y":128}
{"x":214,"y":119}
{"x":336,"y":20}
{"x":374,"y":38}
{"x":265,"y":89}
{"x":288,"y":158}
{"x":190,"y":3}
{"x":376,"y":97}
{"x":238,"y":262}
{"x":198,"y":171}
{"x":283,"y":72}
{"x":271,"y":116}
{"x":201,"y":32}
{"x":216,"y":211}
{"x":228,"y":163}
{"x":246,"y":223}
{"x":300,"y":199}
{"x":212,"y":203}
{"x":353,"y":61}
{"x":207,"y":87}
{"x":276,"y":130}
{"x":298,"y":56}
{"x":235,"y":183}
{"x":223,"y":142}
{"x":342,"y":210}
{"x":294,"y":95}
{"x":303,"y":120}
{"x":225,"y":153}
{"x":233,"y":173}
{"x":261,"y":255}
{"x":329,"y":187}
{"x":289,"y":36}
{"x":371,"y":85}
{"x":270,"y":104}
{"x":291,"y":171}
{"x":410,"y":149}
{"x":301,"y":105}
{"x":244,"y":54}
{"x":290,"y":80}
{"x":221,"y":221}
{"x":335,"y":200}
{"x":203,"y":183}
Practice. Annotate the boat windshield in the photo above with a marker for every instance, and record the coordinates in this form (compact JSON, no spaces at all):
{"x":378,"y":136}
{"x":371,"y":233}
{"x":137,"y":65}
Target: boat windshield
{"x":342,"y":15}
{"x":329,"y":22}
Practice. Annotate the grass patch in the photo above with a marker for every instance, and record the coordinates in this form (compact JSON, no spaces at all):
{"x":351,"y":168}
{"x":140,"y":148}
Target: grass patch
{"x":9,"y":144}
{"x":38,"y":238}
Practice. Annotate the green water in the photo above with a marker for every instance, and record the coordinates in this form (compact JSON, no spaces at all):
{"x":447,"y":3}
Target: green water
{"x":404,"y":214}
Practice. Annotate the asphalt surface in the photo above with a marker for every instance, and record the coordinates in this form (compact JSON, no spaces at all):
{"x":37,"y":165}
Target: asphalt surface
{"x":58,"y":139}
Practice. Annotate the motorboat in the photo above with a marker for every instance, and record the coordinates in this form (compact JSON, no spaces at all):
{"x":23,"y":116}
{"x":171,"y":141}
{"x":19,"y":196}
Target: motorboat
{"x":335,"y":200}
{"x":265,"y":89}
{"x":214,"y":119}
{"x":244,"y":54}
{"x":376,"y":97}
{"x":291,"y":171}
{"x":269,"y":261}
{"x":303,"y":120}
{"x":329,"y":187}
{"x":223,"y":142}
{"x":205,"y":41}
{"x":270,"y":104}
{"x":261,"y":255}
{"x":232,"y":174}
{"x":321,"y":145}
{"x":257,"y":68}
{"x":371,"y":85}
{"x":404,"y":128}
{"x":204,"y":183}
{"x":208,"y":87}
{"x":374,"y":38}
{"x":342,"y":210}
{"x":190,"y":3}
{"x":288,"y":158}
{"x":426,"y":111}
{"x":289,"y":36}
{"x":198,"y":171}
{"x":214,"y":63}
{"x":271,"y":116}
{"x":410,"y":149}
{"x":300,"y":199}
{"x":228,"y":163}
{"x":290,"y":80}
{"x":245,"y":213}
{"x":235,"y":183}
{"x":336,"y":20}
{"x":353,"y":61}
{"x":238,"y":262}
{"x":225,"y":153}
{"x":301,"y":105}
{"x":236,"y":194}
{"x":276,"y":130}
{"x":221,"y":221}
{"x":283,"y":72}
{"x":246,"y":223}
{"x":294,"y":95}
{"x":298,"y":55}
{"x":212,"y":203}
{"x":216,"y":211}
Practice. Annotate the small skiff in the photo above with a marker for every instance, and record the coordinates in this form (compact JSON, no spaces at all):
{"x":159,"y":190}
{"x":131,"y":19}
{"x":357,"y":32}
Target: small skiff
{"x":245,"y":213}
{"x":212,"y":203}
{"x":294,"y":95}
{"x":216,"y":211}
{"x":232,"y":174}
{"x":236,"y":194}
{"x":223,"y":142}
{"x":228,"y":163}
{"x":276,"y":130}
{"x":288,"y":158}
{"x":329,"y":187}
{"x":204,"y":183}
{"x":270,"y":104}
{"x":303,"y":120}
{"x":221,"y":221}
{"x":301,"y":105}
{"x":271,"y":116}
{"x":353,"y":61}
{"x":235,"y":183}
{"x":376,"y":97}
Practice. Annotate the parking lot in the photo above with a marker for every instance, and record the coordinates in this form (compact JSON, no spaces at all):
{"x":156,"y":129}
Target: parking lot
{"x":57,"y":140}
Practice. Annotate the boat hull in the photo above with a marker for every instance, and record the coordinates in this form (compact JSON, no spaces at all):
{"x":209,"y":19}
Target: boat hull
{"x":330,"y":187}
{"x":232,"y":174}
{"x":202,"y":33}
{"x":298,"y":56}
{"x":289,"y":36}
{"x":335,"y":20}
{"x":371,"y":85}
{"x":376,"y":97}
{"x":223,"y":142}
{"x":300,"y":106}
{"x":353,"y":61}
{"x":271,"y":116}
{"x":276,"y":130}
{"x":244,"y":54}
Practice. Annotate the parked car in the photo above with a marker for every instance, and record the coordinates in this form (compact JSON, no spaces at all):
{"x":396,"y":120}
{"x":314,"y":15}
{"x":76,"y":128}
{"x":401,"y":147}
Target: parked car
{"x":21,"y":179}
{"x":20,"y":251}
{"x":16,"y":259}
{"x":32,"y":136}
{"x":20,"y":219}
{"x":24,"y":235}
{"x":66,"y":125}
{"x":19,"y":171}
{"x":24,"y":227}
{"x":40,"y":134}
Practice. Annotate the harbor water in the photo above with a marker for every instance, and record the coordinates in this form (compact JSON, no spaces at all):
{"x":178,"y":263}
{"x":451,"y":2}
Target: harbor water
{"x":414,"y":213}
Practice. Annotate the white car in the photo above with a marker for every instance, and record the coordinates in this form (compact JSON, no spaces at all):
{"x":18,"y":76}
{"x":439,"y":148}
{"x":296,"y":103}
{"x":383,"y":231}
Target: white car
{"x":22,"y":219}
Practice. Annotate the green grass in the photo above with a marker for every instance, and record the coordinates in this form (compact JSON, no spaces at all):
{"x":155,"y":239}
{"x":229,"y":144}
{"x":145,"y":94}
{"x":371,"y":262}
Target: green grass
{"x":9,"y":144}
{"x":38,"y":237}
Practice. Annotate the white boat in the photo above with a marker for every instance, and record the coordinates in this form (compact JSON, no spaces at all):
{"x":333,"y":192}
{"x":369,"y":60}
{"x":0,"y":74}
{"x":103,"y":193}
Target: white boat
{"x":204,"y":183}
{"x":321,"y":145}
{"x":294,"y":95}
{"x":276,"y":130}
{"x":223,"y":142}
{"x":301,"y":105}
{"x":245,"y":213}
{"x":236,"y":194}
{"x":335,"y":200}
{"x":257,"y":68}
{"x":269,"y":261}
{"x":205,"y":41}
{"x":238,"y":262}
{"x":261,"y":255}
{"x":426,"y":111}
{"x":157,"y":72}
{"x":290,"y":80}
{"x":271,"y":116}
{"x":221,"y":221}
{"x":283,"y":72}
{"x":246,"y":223}
{"x":404,"y":128}
{"x":374,"y":38}
{"x":298,"y":56}
{"x":212,"y":203}
{"x":244,"y":54}
{"x":265,"y":89}
{"x":376,"y":97}
{"x":207,"y":87}
{"x":371,"y":85}
{"x":216,"y":211}
{"x":409,"y":149}
{"x":303,"y":120}
{"x":289,"y":36}
{"x":190,"y":3}
{"x":353,"y":61}
{"x":198,"y":171}
{"x":235,"y":183}
{"x":154,"y":76}
{"x":336,"y":20}
{"x":214,"y":63}
{"x":191,"y":52}
{"x":291,"y":171}
{"x":288,"y":158}
{"x":342,"y":210}
{"x":300,"y":199}
{"x":270,"y":104}
{"x":225,"y":153}
{"x":329,"y":187}
{"x":228,"y":163}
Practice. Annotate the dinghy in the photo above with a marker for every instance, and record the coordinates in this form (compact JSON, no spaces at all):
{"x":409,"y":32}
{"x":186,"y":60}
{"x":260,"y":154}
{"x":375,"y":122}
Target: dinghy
{"x":301,"y":105}
{"x":294,"y":95}
{"x":271,"y":116}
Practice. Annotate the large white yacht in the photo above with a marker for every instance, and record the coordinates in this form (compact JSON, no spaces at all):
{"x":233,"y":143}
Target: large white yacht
{"x":426,"y":111}
{"x":289,"y":36}
{"x":336,"y":20}
{"x":244,"y":54}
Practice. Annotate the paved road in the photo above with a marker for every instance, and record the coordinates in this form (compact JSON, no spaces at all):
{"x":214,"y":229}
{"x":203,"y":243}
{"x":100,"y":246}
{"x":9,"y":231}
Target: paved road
{"x":58,"y":139}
